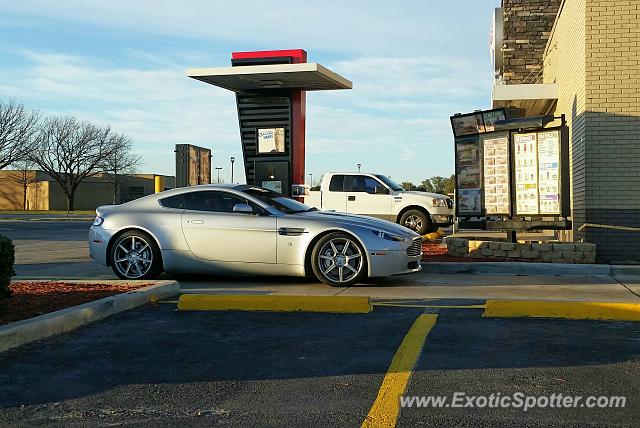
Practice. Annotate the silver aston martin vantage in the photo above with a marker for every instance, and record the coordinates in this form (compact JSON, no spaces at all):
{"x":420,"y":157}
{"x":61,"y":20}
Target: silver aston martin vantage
{"x":242,"y":229}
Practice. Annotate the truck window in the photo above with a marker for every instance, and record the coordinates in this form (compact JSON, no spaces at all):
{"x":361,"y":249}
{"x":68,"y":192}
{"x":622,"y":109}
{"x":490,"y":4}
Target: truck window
{"x":337,"y":183}
{"x":364,"y":184}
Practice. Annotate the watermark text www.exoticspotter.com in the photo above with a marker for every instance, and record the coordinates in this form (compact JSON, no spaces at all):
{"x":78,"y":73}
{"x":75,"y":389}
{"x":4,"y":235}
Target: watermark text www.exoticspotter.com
{"x":517,"y":400}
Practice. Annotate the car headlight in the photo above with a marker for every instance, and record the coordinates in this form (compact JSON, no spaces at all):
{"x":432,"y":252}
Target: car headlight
{"x":388,"y":236}
{"x":440,"y":203}
{"x":98,"y":221}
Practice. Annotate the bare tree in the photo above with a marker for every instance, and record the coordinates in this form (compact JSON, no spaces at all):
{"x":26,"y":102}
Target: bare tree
{"x":71,"y":151}
{"x":18,"y":127}
{"x":23,"y":175}
{"x":121,"y":160}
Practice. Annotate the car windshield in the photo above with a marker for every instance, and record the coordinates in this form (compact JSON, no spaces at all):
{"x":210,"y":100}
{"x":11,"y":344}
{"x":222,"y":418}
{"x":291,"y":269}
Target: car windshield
{"x":277,"y":201}
{"x":390,"y":183}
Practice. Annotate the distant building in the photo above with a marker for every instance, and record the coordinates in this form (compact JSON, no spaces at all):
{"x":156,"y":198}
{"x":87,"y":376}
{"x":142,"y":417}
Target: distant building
{"x":581,"y":58}
{"x":44,"y":193}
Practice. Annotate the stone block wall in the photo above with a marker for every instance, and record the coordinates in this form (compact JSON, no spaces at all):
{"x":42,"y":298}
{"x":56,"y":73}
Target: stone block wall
{"x":527,"y":26}
{"x":534,"y":252}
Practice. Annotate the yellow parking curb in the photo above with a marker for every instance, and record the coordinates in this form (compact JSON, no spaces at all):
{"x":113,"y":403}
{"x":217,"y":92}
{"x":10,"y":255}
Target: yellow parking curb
{"x":249,"y":302}
{"x":431,"y":236}
{"x":569,"y":310}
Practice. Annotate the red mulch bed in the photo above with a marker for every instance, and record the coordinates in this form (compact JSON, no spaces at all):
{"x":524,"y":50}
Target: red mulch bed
{"x":33,"y":298}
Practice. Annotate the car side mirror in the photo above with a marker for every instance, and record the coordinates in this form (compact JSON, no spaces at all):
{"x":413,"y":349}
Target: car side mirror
{"x":242,"y":209}
{"x":381,"y":190}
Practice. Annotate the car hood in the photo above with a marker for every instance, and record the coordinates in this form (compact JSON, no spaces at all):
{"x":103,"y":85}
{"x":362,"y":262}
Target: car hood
{"x":345,"y":219}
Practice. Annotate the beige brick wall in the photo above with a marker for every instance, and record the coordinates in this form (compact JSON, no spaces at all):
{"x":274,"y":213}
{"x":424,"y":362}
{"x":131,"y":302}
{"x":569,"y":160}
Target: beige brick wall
{"x":594,"y":56}
{"x":565,"y":64}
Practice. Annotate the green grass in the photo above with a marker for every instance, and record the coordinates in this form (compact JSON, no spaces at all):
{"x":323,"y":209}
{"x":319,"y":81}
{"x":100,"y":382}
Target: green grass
{"x":63,"y":212}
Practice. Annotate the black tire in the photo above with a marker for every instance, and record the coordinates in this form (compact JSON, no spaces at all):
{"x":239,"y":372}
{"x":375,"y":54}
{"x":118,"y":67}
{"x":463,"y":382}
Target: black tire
{"x":418,"y":221}
{"x":144,"y":263}
{"x":337,"y":263}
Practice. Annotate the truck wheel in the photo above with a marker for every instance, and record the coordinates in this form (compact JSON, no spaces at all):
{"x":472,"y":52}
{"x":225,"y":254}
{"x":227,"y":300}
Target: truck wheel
{"x":417,"y":221}
{"x":338,"y":260}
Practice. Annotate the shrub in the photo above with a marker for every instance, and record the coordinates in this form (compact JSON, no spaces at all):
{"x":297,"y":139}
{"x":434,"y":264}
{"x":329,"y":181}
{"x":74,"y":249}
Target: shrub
{"x":7,"y":259}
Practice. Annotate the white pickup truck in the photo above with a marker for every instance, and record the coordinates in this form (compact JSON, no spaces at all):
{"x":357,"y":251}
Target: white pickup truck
{"x":376,"y":195}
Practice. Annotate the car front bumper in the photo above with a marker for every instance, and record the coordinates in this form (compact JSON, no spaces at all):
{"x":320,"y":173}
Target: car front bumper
{"x":388,"y":263}
{"x":443,"y":220}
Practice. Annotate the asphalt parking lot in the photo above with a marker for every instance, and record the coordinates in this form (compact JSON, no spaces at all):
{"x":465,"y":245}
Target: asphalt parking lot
{"x":158,"y":366}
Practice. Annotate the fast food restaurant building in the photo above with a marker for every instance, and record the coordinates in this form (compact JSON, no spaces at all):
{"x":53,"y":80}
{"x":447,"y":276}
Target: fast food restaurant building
{"x":581,"y":58}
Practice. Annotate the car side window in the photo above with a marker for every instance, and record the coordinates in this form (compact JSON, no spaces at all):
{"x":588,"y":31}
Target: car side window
{"x":337,"y":183}
{"x":213,"y":201}
{"x":176,"y":201}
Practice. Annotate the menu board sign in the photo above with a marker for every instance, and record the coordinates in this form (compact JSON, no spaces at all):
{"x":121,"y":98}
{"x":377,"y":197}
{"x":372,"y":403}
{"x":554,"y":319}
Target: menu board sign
{"x":468,"y":176}
{"x":526,"y":171}
{"x":496,"y":175}
{"x":491,"y":117}
{"x":549,"y":172}
{"x":467,"y":125}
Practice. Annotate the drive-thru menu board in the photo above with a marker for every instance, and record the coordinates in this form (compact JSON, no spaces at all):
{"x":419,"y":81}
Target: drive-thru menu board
{"x":526,"y":159}
{"x":549,"y":172}
{"x":496,"y":174}
{"x":468,"y":176}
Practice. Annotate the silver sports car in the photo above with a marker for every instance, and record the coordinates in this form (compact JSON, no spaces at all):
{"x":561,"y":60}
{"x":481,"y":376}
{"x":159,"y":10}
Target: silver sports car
{"x":242,"y":229}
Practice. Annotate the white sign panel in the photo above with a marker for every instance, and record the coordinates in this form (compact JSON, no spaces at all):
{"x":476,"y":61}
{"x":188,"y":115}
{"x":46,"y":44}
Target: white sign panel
{"x":271,"y":140}
{"x":496,"y":175}
{"x":549,"y":172}
{"x":526,"y":171}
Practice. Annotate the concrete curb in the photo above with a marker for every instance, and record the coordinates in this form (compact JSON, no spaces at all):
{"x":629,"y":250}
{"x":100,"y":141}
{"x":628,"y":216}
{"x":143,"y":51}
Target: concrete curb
{"x":25,"y":331}
{"x":517,"y":268}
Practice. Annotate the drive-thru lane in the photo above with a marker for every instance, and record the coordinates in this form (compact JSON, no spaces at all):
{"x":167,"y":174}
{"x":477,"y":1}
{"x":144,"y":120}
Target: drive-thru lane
{"x":156,"y":365}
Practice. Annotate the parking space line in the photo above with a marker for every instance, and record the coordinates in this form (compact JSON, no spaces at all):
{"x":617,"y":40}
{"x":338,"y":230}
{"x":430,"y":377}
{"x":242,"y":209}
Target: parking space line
{"x":569,"y":310}
{"x":386,"y":408}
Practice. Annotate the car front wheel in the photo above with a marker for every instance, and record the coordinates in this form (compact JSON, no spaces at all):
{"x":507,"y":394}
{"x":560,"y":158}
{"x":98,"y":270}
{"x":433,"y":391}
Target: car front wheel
{"x":135,"y":255}
{"x":338,"y":260}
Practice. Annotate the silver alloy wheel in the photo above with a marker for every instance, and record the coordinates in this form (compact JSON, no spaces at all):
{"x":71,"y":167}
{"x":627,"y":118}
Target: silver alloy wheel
{"x":340,"y":260}
{"x":133,"y":257}
{"x":413,"y":222}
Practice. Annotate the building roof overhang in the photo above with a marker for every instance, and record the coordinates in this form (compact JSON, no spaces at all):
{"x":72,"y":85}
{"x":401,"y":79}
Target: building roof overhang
{"x":305,"y":76}
{"x":536,"y":99}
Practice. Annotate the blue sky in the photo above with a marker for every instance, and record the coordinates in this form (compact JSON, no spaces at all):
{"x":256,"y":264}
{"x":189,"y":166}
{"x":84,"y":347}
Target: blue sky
{"x":123,"y":63}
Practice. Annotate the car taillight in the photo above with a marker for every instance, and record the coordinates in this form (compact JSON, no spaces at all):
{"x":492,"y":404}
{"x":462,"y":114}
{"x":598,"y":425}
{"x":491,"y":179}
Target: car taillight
{"x":98,"y":221}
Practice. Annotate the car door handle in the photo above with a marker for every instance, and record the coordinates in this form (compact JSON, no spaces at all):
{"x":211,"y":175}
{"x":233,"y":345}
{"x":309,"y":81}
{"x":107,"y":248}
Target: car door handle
{"x":351,"y":198}
{"x":195,"y":221}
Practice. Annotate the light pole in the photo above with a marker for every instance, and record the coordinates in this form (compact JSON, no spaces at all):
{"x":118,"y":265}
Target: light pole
{"x":218,"y":168}
{"x":232,"y":161}
{"x":359,"y":165}
{"x":310,"y":180}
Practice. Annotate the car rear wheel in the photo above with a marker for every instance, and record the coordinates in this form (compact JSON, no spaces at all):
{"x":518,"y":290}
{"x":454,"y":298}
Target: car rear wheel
{"x":418,"y":221}
{"x":135,"y":255}
{"x":338,"y":260}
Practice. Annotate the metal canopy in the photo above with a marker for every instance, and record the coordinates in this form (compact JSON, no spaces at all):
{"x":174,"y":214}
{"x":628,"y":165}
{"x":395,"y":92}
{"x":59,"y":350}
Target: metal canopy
{"x":536,"y":99}
{"x":305,"y":76}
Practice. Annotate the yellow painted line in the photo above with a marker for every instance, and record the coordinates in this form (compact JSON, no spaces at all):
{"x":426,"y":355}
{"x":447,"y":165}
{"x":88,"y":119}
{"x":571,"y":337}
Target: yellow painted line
{"x":569,"y":310}
{"x":386,"y":408}
{"x":249,"y":302}
{"x":403,"y":305}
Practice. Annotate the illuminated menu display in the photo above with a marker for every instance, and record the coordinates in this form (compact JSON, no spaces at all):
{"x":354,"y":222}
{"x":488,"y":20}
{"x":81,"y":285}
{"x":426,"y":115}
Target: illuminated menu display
{"x":496,"y":175}
{"x":468,"y":176}
{"x":549,"y":172}
{"x":526,"y":172}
